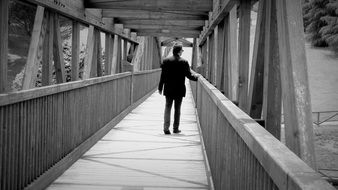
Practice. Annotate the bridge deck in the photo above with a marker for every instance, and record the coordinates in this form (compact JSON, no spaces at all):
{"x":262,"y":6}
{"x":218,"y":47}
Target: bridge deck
{"x":137,"y":155}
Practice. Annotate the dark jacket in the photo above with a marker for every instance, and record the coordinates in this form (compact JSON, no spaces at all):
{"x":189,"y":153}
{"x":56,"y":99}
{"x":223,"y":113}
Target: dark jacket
{"x":174,"y":71}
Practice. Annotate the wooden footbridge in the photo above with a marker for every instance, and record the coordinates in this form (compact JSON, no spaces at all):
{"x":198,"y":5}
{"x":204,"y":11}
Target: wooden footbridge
{"x":88,"y":117}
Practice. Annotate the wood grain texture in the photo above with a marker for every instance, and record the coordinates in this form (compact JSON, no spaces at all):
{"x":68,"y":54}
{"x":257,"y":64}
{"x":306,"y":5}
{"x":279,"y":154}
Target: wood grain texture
{"x":34,"y":47}
{"x":58,"y":52}
{"x":294,"y":76}
{"x":75,"y":50}
{"x":272,"y":101}
{"x":256,"y":86}
{"x":3,"y":44}
{"x":47,"y":59}
{"x":244,"y":46}
{"x":233,"y":55}
{"x":90,"y":53}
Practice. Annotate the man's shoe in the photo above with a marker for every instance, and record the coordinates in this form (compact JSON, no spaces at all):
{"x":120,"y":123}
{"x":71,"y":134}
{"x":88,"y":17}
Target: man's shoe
{"x":166,"y":132}
{"x":177,"y":131}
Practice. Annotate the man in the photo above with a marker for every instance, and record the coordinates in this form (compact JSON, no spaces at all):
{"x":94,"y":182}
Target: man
{"x":174,"y":71}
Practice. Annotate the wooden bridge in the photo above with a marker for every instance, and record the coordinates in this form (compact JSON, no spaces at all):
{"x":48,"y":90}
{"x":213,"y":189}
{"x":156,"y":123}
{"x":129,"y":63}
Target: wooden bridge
{"x":88,"y":117}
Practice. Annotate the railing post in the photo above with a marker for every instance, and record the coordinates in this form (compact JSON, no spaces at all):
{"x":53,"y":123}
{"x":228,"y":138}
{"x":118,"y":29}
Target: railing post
{"x":132,"y":86}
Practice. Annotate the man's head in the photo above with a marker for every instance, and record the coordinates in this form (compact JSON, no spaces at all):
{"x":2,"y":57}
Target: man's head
{"x":177,"y":50}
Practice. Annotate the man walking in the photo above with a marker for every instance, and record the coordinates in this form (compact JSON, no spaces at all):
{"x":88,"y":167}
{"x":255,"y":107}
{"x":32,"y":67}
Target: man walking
{"x":174,"y":71}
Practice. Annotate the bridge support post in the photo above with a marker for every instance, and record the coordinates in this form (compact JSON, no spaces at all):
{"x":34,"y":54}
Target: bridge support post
{"x":244,"y":47}
{"x":295,"y":87}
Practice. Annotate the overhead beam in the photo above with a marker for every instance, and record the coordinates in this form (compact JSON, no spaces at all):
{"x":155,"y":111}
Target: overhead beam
{"x":142,"y":26}
{"x":146,"y":14}
{"x":177,"y":34}
{"x":186,"y":23}
{"x":157,"y":5}
{"x":217,"y":17}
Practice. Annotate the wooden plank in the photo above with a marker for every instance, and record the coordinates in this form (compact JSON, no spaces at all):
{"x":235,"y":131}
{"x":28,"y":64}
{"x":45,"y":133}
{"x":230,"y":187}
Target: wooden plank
{"x":295,"y":86}
{"x":90,"y":53}
{"x":161,"y":27}
{"x":155,"y":5}
{"x":3,"y":45}
{"x":227,"y":64}
{"x":272,"y":101}
{"x":255,"y":95}
{"x":177,"y":34}
{"x":58,"y":52}
{"x":186,"y":23}
{"x":225,"y":8}
{"x":35,"y":49}
{"x":220,"y":55}
{"x":99,"y":54}
{"x":152,"y":14}
{"x":108,"y":54}
{"x":47,"y":59}
{"x":233,"y":55}
{"x":116,"y":65}
{"x":77,"y":11}
{"x":75,"y":50}
{"x":244,"y":47}
{"x":215,"y":56}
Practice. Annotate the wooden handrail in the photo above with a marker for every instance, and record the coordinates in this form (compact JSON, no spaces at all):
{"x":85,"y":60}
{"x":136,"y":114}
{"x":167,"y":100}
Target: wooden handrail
{"x":246,"y":148}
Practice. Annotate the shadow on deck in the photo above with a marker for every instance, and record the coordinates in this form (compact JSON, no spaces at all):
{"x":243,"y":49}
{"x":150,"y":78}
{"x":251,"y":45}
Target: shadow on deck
{"x":136,"y":154}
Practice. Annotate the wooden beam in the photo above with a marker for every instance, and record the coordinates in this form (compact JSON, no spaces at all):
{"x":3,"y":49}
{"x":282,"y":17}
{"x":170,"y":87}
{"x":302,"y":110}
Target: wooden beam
{"x":108,"y":54}
{"x":217,"y":17}
{"x":159,"y":27}
{"x":226,"y":67}
{"x":255,"y":95}
{"x":75,"y":50}
{"x":272,"y":100}
{"x":177,"y":34}
{"x":47,"y":59}
{"x":220,"y":64}
{"x":3,"y":44}
{"x":77,"y":11}
{"x":90,"y":53}
{"x":156,"y":5}
{"x":116,"y":55}
{"x":233,"y":55}
{"x":244,"y":47}
{"x":58,"y":52}
{"x":146,"y":14}
{"x":295,"y":86}
{"x":186,"y":23}
{"x":34,"y":47}
{"x":98,"y":54}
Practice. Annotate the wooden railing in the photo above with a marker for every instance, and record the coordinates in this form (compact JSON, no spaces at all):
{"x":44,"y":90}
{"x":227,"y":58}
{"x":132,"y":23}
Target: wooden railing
{"x":241,"y":153}
{"x":144,"y":81}
{"x":42,"y":127}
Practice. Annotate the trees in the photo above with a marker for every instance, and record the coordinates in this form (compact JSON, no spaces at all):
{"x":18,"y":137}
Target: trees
{"x":321,"y":22}
{"x":329,"y":32}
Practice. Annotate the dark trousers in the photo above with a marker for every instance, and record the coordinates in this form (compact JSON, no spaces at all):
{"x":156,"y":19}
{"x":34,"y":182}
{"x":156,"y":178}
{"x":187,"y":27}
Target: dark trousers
{"x":168,"y":104}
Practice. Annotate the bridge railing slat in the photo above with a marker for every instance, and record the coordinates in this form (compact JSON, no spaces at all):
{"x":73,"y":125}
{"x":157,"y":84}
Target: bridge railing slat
{"x":241,"y":153}
{"x":40,"y":127}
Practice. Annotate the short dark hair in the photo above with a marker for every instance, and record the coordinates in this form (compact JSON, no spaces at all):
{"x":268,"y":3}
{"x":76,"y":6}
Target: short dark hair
{"x":177,"y":48}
